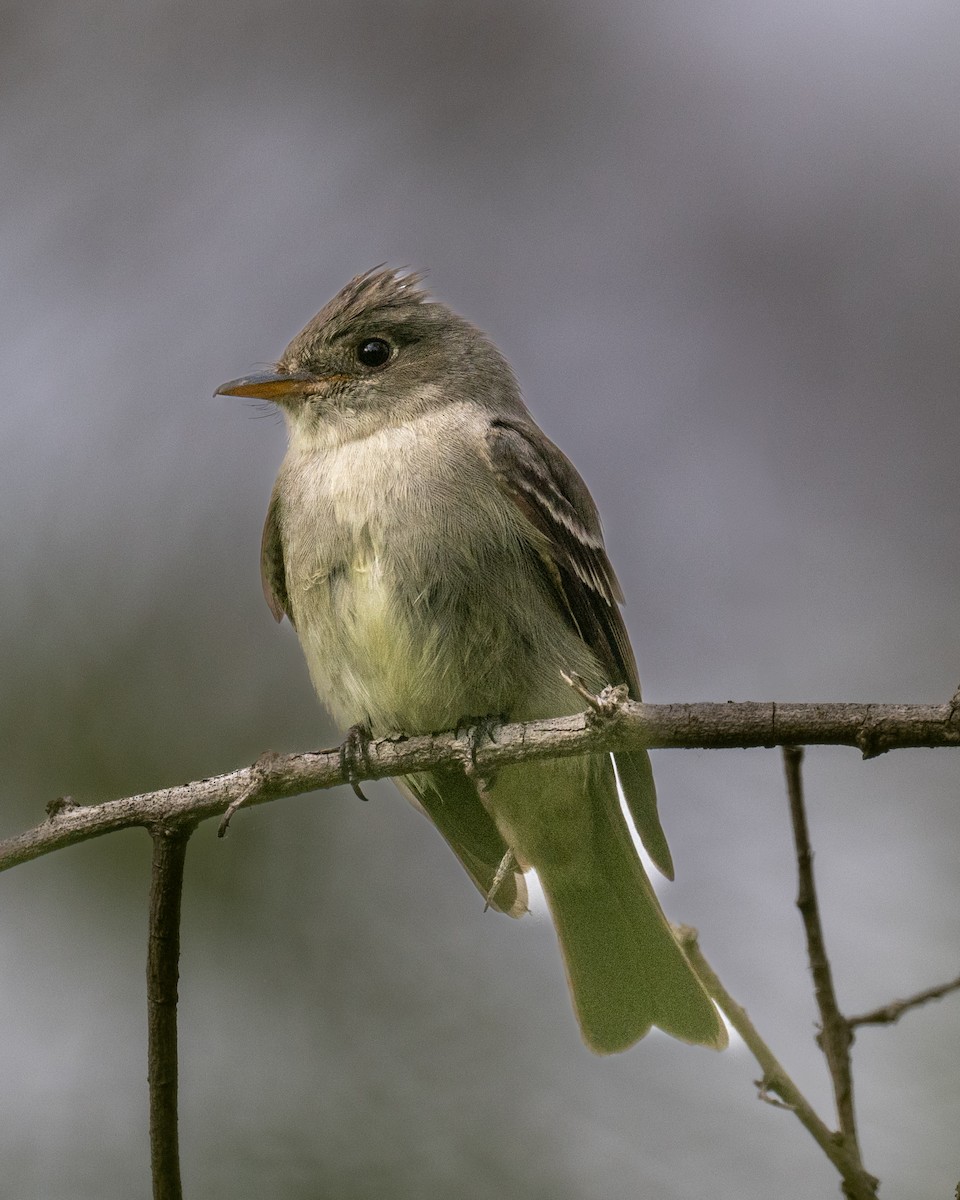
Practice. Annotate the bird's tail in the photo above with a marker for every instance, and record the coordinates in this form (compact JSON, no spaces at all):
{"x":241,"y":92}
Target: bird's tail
{"x":625,"y":968}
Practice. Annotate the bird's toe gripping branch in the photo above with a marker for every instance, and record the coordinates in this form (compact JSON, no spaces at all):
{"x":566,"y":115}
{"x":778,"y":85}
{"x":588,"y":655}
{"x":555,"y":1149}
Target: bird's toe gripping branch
{"x":355,"y":756}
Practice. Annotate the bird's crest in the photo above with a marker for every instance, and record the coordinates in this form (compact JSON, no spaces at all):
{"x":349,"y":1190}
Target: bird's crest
{"x":377,"y":290}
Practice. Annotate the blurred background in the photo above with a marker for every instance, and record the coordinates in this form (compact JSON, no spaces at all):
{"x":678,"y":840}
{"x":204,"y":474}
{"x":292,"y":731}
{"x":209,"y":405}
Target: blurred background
{"x":719,"y":244}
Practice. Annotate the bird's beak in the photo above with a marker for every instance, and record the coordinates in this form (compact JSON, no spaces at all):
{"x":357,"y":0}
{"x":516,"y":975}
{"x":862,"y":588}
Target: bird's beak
{"x":269,"y":385}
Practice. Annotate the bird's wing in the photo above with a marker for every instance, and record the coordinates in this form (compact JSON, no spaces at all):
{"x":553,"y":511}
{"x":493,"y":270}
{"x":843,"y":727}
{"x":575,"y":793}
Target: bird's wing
{"x":272,"y":571}
{"x":548,"y":491}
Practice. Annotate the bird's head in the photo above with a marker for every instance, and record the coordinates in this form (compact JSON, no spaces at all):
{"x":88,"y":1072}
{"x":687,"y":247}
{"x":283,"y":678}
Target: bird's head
{"x":380,"y":352}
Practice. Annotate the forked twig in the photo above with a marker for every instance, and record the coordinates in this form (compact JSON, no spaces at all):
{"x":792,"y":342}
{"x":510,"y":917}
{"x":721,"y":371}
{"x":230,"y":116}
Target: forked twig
{"x":836,"y":1036}
{"x":887,"y":1014}
{"x":858,"y":1184}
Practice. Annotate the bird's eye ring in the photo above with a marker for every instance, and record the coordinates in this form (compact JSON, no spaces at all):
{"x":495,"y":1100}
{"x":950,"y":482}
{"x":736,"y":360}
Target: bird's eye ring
{"x":373,"y":352}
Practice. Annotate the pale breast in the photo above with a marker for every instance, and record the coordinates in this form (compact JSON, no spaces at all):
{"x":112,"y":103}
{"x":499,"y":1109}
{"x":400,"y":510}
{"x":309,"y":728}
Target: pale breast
{"x":397,"y":548}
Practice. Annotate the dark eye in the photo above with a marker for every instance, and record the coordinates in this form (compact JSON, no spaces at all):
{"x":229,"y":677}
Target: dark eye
{"x":374,"y":352}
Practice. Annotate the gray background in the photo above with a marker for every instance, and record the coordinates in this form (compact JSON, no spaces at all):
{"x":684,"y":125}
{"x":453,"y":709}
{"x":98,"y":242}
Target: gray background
{"x":719,"y":243}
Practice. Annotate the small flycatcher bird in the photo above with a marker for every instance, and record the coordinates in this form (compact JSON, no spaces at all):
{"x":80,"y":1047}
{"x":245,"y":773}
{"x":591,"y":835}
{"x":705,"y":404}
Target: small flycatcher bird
{"x":441,"y":561}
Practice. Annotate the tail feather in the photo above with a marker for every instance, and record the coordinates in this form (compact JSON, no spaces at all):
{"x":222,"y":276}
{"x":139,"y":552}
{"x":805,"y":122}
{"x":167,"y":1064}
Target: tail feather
{"x":625,"y":968}
{"x":636,"y":779}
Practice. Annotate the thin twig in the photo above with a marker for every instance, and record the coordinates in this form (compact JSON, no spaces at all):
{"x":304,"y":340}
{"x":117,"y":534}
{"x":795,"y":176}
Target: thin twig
{"x":163,"y":957}
{"x":618,"y":724}
{"x":835,"y":1037}
{"x":576,"y":682}
{"x":265,"y":761}
{"x":858,"y":1183}
{"x":887,"y":1014}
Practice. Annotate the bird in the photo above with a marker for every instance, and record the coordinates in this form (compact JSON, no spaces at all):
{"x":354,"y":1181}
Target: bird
{"x":443,"y":565}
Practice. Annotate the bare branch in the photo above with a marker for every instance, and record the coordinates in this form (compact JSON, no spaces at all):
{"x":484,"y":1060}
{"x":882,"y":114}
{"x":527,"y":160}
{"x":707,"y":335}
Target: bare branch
{"x":858,"y":1184}
{"x":615,"y":724}
{"x":612,"y":722}
{"x":835,"y":1037}
{"x":163,"y":958}
{"x":887,"y":1014}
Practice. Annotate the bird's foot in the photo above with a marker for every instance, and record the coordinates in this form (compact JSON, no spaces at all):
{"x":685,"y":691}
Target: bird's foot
{"x":354,"y":755}
{"x":475,"y":731}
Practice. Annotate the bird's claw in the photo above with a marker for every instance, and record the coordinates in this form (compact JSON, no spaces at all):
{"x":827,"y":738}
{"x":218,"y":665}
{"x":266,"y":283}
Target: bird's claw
{"x":475,"y":731}
{"x":354,"y":754}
